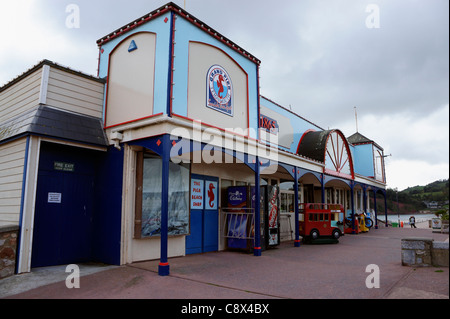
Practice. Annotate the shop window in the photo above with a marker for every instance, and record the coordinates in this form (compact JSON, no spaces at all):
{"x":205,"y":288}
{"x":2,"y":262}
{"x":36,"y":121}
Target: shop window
{"x":148,"y":197}
{"x":287,"y":202}
{"x":286,"y":185}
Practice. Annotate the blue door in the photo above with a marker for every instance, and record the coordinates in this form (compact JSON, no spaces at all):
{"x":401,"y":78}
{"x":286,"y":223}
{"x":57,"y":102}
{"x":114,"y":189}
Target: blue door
{"x":63,"y":221}
{"x":204,"y":216}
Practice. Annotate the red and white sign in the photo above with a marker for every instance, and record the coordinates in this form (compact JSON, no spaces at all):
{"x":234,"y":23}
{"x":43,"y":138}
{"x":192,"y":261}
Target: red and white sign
{"x":211,"y":195}
{"x":197,"y":192}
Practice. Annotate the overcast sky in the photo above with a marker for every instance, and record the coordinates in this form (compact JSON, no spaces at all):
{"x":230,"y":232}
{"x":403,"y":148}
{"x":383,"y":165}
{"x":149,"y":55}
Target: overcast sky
{"x":389,"y":58}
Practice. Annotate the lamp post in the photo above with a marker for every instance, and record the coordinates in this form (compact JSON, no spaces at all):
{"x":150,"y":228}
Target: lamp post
{"x":398,"y":208}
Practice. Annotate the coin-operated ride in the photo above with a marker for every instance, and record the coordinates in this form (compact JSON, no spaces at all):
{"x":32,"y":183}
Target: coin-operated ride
{"x":318,"y":220}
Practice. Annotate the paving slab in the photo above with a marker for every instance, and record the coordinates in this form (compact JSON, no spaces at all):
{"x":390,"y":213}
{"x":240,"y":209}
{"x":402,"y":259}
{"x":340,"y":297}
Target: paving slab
{"x":326,"y":271}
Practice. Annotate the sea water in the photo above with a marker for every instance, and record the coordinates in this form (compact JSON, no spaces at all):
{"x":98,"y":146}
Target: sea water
{"x":405,"y":218}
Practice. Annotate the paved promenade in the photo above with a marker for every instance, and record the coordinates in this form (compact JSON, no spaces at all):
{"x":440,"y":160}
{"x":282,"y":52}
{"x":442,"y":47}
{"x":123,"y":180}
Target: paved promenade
{"x":318,"y":271}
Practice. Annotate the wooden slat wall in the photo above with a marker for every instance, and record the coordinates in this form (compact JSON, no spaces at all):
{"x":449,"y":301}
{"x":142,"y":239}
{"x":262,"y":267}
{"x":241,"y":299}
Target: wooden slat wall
{"x":12,"y":157}
{"x":21,"y":96}
{"x":73,"y":93}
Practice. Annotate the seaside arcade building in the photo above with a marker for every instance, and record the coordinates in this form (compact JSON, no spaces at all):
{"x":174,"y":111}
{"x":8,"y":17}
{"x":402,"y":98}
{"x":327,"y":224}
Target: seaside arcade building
{"x":134,"y":164}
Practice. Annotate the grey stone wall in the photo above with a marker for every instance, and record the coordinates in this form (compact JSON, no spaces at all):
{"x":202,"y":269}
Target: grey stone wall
{"x":8,"y":249}
{"x":424,"y":252}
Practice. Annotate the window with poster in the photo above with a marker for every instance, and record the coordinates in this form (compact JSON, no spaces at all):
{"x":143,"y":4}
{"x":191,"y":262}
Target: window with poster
{"x":148,"y":197}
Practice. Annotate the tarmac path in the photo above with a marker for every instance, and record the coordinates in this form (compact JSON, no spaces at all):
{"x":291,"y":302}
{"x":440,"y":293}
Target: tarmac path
{"x":318,"y":271}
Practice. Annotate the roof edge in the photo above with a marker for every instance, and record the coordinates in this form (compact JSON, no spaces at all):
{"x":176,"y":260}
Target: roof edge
{"x":170,"y":6}
{"x":51,"y":64}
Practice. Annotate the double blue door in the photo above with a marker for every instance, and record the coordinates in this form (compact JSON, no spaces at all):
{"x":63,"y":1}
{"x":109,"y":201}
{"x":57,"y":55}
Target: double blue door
{"x":63,"y":222}
{"x":204,"y":216}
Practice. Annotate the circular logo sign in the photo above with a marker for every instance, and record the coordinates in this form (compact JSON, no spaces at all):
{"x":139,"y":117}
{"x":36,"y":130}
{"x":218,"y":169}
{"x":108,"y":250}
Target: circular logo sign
{"x":220,"y":90}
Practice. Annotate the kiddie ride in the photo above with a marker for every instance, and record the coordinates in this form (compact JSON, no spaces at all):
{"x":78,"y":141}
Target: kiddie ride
{"x":317,"y":220}
{"x":363,"y":223}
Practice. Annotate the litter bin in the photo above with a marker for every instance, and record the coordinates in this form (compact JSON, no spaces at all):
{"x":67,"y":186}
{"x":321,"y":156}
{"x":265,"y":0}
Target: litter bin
{"x":394,"y":224}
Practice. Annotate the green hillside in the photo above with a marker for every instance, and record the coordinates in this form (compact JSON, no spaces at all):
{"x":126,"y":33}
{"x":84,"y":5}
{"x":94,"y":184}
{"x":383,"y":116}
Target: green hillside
{"x":414,"y":199}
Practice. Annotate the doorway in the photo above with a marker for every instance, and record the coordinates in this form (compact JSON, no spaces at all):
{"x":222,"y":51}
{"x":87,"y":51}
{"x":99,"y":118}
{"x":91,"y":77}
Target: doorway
{"x":63,"y":220}
{"x":204,"y":215}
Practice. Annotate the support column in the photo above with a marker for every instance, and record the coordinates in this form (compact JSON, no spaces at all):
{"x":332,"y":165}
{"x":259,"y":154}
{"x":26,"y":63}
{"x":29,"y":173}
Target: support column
{"x":385,"y":208}
{"x":364,"y":199}
{"x":257,"y":211}
{"x":163,"y":268}
{"x":352,"y":198}
{"x":323,"y":187}
{"x":375,"y":207}
{"x":296,"y":219}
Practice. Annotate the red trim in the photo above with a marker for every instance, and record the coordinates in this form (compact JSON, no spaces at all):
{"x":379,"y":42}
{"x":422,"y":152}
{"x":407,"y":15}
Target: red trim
{"x":349,"y":154}
{"x":179,"y":11}
{"x":209,"y":125}
{"x":301,"y":139}
{"x":107,"y":79}
{"x":132,"y":25}
{"x":217,"y":36}
{"x":132,"y":121}
{"x":164,"y":264}
{"x":258,"y":248}
{"x":338,"y":174}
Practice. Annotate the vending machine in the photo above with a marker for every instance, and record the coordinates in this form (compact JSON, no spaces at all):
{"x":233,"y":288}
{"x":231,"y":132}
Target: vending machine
{"x":272,"y":214}
{"x":240,"y":218}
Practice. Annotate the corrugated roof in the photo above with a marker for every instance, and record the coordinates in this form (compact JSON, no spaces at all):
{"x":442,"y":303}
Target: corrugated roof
{"x":313,"y":145}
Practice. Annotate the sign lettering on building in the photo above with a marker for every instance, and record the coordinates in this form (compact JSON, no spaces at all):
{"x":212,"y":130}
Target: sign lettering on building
{"x":65,"y":167}
{"x":268,"y":124}
{"x":197,"y":193}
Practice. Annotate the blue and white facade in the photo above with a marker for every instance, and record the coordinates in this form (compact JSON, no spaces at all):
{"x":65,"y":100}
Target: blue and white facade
{"x":183,"y":120}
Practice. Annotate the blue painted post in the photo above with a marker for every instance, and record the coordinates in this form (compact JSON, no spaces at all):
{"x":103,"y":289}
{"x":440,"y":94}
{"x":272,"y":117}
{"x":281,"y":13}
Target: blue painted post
{"x":352,"y":197}
{"x":257,"y":211}
{"x":375,"y":204}
{"x":170,"y":70}
{"x":296,"y":220}
{"x":365,"y":199}
{"x":323,"y":188}
{"x":163,"y":268}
